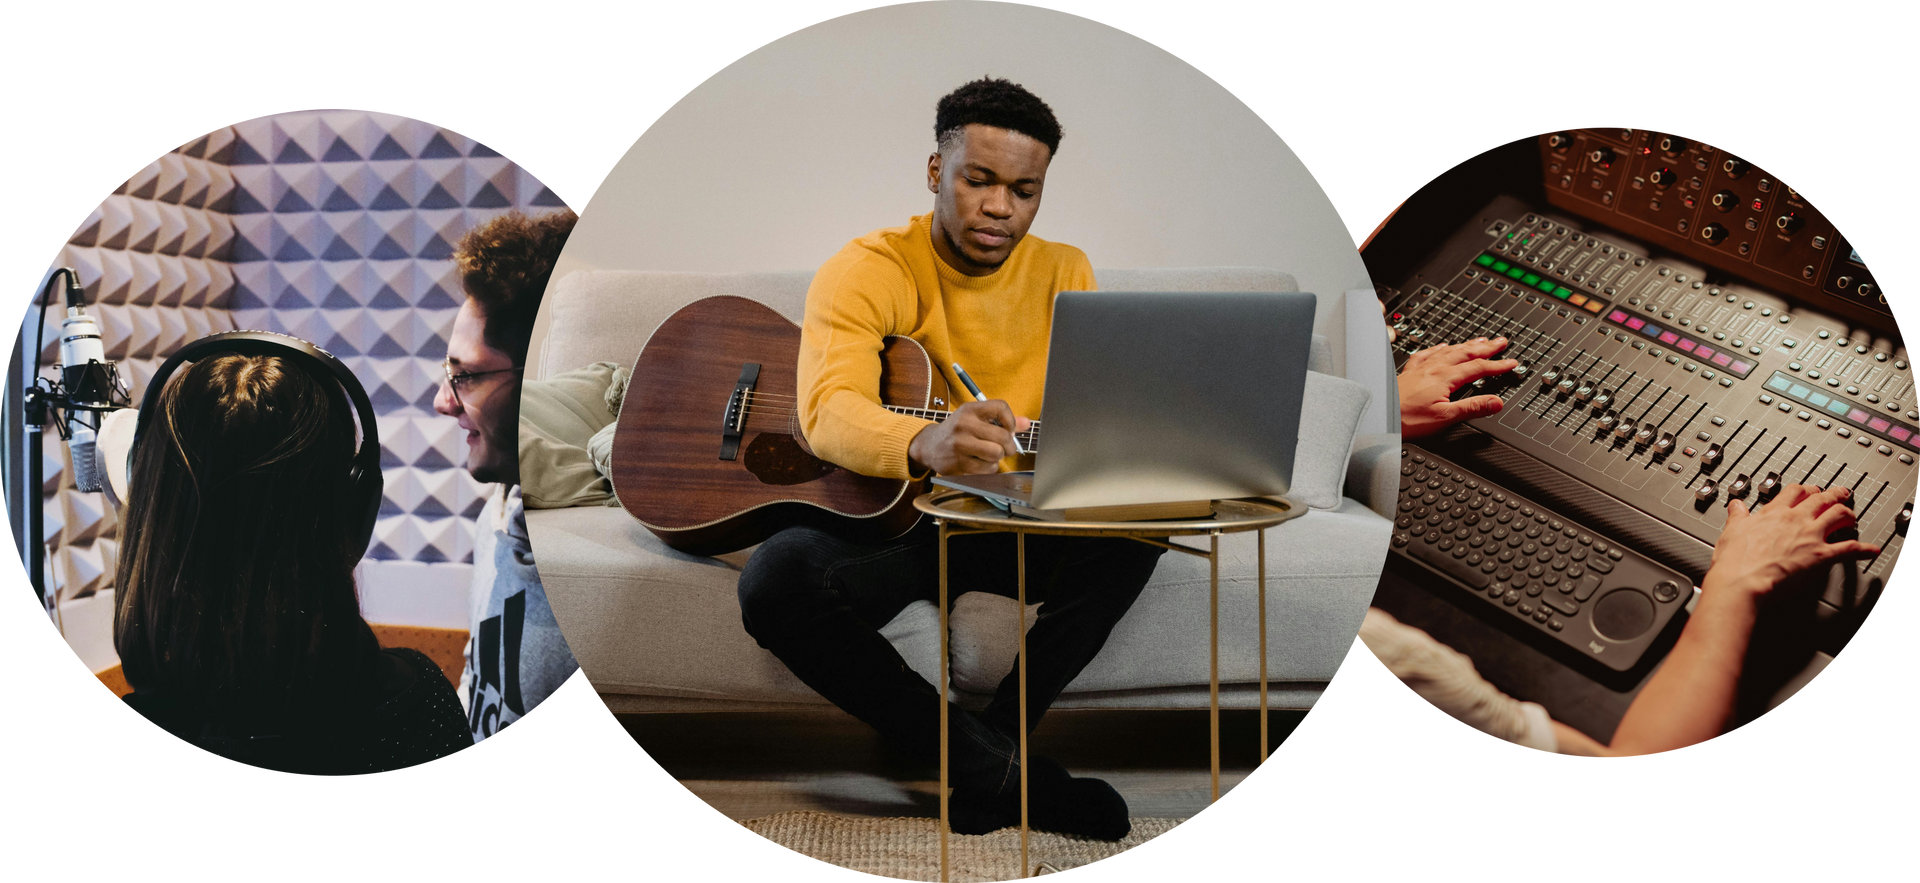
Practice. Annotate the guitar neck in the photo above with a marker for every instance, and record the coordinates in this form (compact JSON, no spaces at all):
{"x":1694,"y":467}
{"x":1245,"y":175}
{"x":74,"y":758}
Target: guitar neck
{"x":1029,"y":437}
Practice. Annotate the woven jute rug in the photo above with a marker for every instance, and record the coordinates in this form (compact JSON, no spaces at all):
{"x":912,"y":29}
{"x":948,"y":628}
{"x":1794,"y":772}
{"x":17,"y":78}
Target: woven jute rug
{"x":909,"y":849}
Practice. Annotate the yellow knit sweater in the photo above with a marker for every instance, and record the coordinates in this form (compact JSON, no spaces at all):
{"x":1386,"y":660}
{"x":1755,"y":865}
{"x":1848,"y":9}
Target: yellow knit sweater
{"x":890,"y":282}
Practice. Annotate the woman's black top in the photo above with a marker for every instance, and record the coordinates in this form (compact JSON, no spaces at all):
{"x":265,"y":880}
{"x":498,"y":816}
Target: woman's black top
{"x":407,"y":713}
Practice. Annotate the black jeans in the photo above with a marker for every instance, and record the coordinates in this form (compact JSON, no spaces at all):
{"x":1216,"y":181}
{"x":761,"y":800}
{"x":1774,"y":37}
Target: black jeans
{"x":817,"y":602}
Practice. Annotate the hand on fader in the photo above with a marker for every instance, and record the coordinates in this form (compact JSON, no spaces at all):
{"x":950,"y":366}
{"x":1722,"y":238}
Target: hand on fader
{"x":1431,"y":376}
{"x":1758,"y":551}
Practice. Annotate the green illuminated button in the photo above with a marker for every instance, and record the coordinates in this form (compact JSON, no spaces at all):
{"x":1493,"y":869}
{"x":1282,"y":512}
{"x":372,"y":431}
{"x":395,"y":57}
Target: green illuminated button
{"x":1534,"y":280}
{"x":1547,"y":286}
{"x":1563,"y":293}
{"x":1516,"y":273}
{"x":1501,"y":266}
{"x":1485,"y":260}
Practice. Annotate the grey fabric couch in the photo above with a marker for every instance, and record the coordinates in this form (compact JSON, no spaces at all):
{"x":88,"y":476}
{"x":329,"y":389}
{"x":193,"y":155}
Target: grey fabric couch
{"x":659,"y":630}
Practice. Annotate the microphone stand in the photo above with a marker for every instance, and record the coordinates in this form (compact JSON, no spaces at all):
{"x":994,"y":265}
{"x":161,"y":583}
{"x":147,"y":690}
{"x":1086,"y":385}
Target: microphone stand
{"x":40,"y":400}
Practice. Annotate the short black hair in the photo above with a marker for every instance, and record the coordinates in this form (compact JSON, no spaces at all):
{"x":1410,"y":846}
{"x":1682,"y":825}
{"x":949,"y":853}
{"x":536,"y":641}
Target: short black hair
{"x":999,"y":103}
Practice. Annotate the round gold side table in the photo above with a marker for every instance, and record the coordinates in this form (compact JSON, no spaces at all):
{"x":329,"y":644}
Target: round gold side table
{"x":958,"y":513}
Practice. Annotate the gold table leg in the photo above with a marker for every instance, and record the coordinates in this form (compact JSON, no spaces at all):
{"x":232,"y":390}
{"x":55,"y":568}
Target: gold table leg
{"x":941,"y":689}
{"x":1020,"y":625}
{"x":1213,"y":663}
{"x":1262,"y":551}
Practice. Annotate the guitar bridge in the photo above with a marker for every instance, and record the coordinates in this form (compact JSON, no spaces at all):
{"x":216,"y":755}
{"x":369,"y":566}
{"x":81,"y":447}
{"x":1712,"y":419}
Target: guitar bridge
{"x":735,"y":420}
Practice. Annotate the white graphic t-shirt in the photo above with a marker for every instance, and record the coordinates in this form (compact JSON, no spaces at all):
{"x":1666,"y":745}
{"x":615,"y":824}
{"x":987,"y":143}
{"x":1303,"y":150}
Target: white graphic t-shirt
{"x":516,"y":656}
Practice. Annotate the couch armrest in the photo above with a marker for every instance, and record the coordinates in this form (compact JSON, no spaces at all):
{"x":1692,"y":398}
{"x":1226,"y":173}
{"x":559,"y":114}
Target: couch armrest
{"x":1373,"y":472}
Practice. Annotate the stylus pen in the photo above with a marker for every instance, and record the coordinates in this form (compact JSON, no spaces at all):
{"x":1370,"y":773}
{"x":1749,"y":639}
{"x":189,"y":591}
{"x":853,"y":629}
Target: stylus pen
{"x":979,"y":396}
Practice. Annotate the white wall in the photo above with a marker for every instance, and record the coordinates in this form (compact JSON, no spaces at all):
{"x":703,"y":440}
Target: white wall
{"x":777,"y":161}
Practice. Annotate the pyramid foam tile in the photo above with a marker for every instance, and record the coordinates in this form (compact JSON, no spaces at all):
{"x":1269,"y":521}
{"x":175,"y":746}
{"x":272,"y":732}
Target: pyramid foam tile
{"x":301,"y":179}
{"x":173,"y":282}
{"x":116,"y":222}
{"x":143,"y":287}
{"x":85,"y":515}
{"x":297,"y":138}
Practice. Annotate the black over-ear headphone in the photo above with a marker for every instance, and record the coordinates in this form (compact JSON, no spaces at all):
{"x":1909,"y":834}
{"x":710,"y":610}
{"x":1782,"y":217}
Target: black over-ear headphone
{"x":363,"y":478}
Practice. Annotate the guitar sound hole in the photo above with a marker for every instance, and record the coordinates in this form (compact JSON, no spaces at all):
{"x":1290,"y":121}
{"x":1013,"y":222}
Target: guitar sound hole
{"x":776,"y":458}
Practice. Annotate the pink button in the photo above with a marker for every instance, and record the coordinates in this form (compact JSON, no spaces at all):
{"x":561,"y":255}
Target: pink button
{"x":1879,"y":425}
{"x":1899,"y":433}
{"x":1721,"y":359}
{"x":1705,"y":352}
{"x":1636,"y":323}
{"x":1742,"y":367}
{"x":1687,"y":345}
{"x":1669,"y":337}
{"x":1857,"y":415}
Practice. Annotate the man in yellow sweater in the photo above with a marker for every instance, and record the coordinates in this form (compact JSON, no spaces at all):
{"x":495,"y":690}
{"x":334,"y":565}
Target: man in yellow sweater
{"x":972,"y":287}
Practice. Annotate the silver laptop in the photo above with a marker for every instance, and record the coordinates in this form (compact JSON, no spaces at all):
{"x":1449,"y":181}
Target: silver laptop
{"x":1164,"y":397}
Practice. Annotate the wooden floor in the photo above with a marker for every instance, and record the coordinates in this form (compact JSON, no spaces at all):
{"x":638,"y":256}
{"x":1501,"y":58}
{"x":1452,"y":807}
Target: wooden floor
{"x":749,"y":765}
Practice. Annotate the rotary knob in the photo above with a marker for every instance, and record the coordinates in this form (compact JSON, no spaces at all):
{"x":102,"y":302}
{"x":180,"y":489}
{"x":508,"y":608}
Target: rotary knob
{"x":1725,"y":200}
{"x":1770,"y":485}
{"x":1788,"y":223}
{"x":1711,"y":457}
{"x":1560,"y":140}
{"x":1664,"y":445}
{"x":1662,"y":177}
{"x":1734,"y":167}
{"x":1714,"y":233}
{"x":1740,"y":486}
{"x":1601,"y":156}
{"x":1706,"y":491}
{"x":1670,"y":144}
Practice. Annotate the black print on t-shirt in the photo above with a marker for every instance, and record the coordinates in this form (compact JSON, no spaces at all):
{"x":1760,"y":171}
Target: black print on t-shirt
{"x":490,"y":689}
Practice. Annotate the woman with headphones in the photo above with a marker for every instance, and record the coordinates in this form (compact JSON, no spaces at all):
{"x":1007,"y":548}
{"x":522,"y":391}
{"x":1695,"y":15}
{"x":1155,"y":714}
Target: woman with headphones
{"x":237,"y":620}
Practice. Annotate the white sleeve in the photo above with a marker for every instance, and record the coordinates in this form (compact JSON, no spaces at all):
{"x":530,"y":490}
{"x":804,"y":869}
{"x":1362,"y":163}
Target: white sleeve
{"x":1446,"y":677}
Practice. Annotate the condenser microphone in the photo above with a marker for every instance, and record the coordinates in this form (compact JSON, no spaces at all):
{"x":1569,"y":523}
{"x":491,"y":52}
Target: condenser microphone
{"x":89,"y":381}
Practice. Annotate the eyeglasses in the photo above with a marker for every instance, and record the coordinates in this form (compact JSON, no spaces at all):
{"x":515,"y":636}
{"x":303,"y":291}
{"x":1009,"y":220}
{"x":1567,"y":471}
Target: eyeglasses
{"x":465,"y":378}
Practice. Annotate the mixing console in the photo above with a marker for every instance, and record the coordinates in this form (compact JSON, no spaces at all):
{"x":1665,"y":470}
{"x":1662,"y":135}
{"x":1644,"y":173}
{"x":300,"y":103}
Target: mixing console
{"x":1653,"y":387}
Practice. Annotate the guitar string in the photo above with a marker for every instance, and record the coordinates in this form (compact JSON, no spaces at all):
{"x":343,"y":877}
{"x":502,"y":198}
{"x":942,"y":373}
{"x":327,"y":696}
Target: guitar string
{"x":1029,"y":436}
{"x":773,"y":408}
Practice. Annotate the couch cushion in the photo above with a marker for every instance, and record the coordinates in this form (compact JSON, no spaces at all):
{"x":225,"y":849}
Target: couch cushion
{"x":644,"y":619}
{"x":559,"y":416}
{"x":1329,"y":415}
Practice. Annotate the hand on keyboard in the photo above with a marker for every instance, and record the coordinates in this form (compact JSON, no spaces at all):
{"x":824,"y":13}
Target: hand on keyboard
{"x":1758,"y":551}
{"x":1430,"y":377}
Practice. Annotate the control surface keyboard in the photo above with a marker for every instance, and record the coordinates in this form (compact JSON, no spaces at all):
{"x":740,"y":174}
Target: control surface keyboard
{"x":1524,"y":561}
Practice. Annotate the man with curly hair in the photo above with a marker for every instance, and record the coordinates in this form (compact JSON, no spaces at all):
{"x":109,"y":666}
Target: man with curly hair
{"x":973,"y":288}
{"x":515,"y":653}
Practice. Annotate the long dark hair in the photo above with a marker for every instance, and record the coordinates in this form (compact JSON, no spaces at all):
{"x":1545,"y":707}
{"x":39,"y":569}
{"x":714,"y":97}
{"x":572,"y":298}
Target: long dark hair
{"x":235,"y":586}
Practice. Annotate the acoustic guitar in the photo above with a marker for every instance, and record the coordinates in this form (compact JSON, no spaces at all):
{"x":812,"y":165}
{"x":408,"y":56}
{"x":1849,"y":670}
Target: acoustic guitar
{"x":708,"y":453}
